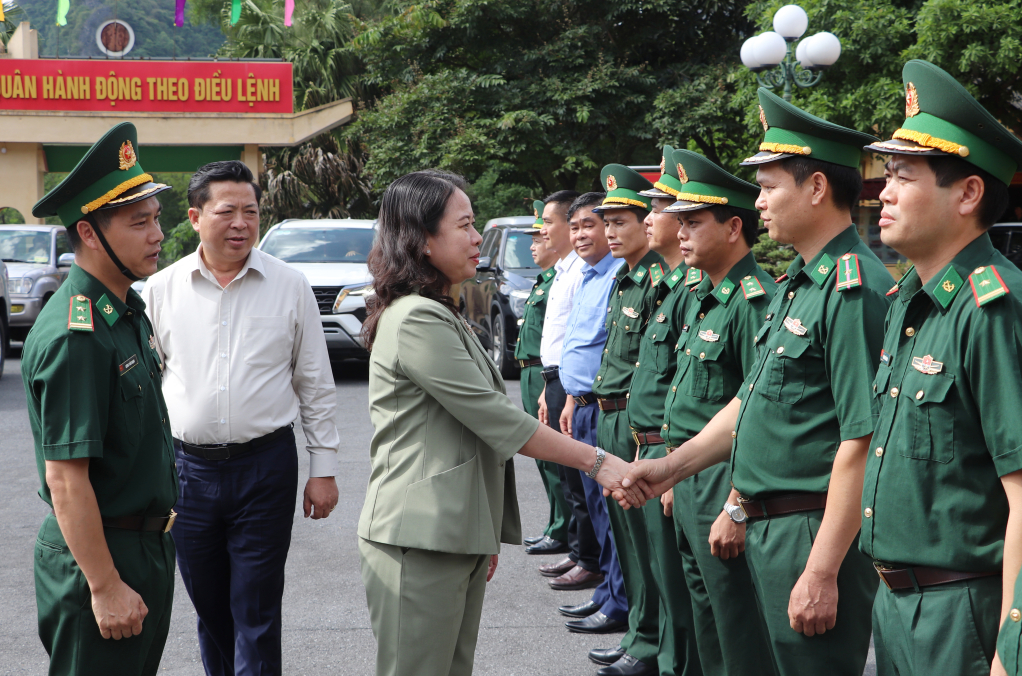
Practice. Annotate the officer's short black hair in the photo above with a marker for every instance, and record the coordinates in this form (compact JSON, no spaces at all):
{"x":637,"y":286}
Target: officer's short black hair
{"x":97,"y":219}
{"x":234,"y":171}
{"x":845,"y":182}
{"x":750,"y":220}
{"x":585,"y":201}
{"x":639,"y":212}
{"x":949,"y":170}
{"x":562,"y":198}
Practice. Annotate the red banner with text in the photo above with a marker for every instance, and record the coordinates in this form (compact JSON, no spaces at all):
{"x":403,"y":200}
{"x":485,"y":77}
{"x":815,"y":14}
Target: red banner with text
{"x":146,"y":86}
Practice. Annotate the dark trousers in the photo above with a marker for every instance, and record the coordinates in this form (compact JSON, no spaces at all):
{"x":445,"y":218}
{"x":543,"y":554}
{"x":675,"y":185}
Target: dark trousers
{"x":610,"y":595}
{"x":233,"y":532}
{"x":582,"y":541}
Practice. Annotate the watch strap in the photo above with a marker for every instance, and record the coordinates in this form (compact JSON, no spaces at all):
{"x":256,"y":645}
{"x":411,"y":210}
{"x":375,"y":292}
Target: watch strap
{"x":600,"y":455}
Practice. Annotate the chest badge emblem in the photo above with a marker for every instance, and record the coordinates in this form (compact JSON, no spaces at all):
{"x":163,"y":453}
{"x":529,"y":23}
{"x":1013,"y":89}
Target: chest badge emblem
{"x":661,"y":318}
{"x":629,"y":312}
{"x":709,"y":336}
{"x":927,"y":365}
{"x":539,"y":292}
{"x":795,"y":326}
{"x":152,"y":342}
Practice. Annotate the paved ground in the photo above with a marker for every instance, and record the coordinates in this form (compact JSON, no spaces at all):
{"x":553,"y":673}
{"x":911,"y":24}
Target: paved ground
{"x":326,"y":624}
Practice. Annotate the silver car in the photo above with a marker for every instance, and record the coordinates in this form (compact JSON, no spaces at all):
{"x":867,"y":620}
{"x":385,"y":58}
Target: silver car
{"x":331,"y":253}
{"x":32,"y":254}
{"x":5,"y":316}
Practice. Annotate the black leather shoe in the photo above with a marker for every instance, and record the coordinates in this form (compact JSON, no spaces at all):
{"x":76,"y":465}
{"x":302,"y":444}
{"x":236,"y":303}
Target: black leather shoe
{"x":628,"y":666}
{"x":547,"y":546}
{"x":583,"y":610}
{"x":597,"y":623}
{"x":605,"y":656}
{"x":532,"y":540}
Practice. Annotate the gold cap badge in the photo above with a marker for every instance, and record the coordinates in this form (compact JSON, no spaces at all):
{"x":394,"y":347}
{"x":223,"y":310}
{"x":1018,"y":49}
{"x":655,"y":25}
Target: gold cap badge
{"x":611,"y":182}
{"x":911,"y":101}
{"x":126,"y":156}
{"x":663,"y":161}
{"x":682,"y":176}
{"x":762,"y":119}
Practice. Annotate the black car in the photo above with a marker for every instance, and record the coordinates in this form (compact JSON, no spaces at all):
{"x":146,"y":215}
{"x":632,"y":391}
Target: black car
{"x":493,"y":301}
{"x":1007,"y":238}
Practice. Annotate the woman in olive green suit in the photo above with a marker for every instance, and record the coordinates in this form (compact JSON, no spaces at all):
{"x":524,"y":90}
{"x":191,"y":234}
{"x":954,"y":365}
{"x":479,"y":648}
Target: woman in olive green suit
{"x":441,"y":495}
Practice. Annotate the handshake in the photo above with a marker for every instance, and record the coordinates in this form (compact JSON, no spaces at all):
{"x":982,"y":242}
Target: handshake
{"x":631,"y":484}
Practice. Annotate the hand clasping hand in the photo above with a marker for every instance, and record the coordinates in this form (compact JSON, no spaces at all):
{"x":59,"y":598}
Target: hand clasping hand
{"x":610,"y":476}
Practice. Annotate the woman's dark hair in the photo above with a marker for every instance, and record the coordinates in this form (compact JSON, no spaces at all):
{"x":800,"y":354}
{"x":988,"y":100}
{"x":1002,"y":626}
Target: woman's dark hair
{"x":411,"y":209}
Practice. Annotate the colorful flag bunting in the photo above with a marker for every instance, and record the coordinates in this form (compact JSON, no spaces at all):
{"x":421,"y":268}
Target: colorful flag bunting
{"x":179,"y":13}
{"x":235,"y":11}
{"x":289,"y":8}
{"x":62,"y":7}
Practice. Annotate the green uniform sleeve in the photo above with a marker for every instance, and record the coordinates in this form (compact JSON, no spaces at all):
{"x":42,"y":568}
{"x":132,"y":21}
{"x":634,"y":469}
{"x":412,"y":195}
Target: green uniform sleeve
{"x":992,"y":357}
{"x":432,"y":355}
{"x":855,"y":325}
{"x":68,"y":388}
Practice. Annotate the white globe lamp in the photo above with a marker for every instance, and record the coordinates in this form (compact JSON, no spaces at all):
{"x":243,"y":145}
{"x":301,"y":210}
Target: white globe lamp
{"x":748,"y":55}
{"x":770,"y":49}
{"x":823,"y":49}
{"x":790,"y":22}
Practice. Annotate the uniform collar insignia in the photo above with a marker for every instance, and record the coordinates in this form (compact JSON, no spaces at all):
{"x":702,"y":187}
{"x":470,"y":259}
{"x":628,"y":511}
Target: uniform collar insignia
{"x":107,"y":310}
{"x":822,"y":269}
{"x":723,"y":291}
{"x":947,"y":287}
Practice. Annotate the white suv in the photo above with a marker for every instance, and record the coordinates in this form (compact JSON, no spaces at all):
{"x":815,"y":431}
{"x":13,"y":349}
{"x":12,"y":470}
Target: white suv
{"x":331,"y":253}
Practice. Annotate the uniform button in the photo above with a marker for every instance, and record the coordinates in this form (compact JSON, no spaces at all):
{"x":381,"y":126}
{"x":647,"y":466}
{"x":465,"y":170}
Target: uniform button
{"x":636,"y":364}
{"x":702,"y":355}
{"x":1015,"y":615}
{"x":615,"y":323}
{"x":627,"y":327}
{"x":688,"y":351}
{"x":654,"y":336}
{"x":139,"y":388}
{"x":224,"y":323}
{"x":674,"y":388}
{"x":659,"y":302}
{"x":910,"y":332}
{"x":791,"y":294}
{"x":894,"y":391}
{"x":780,"y":350}
{"x":163,"y":420}
{"x":222,"y":388}
{"x":755,"y":338}
{"x":734,"y":435}
{"x":223,"y":355}
{"x":702,"y":315}
{"x":868,"y":512}
{"x":750,"y":387}
{"x":620,"y":293}
{"x":604,"y":352}
{"x":222,"y":421}
{"x":770,"y":316}
{"x":599,"y":377}
{"x":879,"y":451}
{"x":919,"y":394}
{"x":665,"y":427}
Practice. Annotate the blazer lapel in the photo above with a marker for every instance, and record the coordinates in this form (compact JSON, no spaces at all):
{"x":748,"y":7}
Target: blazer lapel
{"x":475,"y":348}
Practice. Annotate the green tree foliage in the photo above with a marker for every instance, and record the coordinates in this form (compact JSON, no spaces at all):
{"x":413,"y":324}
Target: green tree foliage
{"x":156,"y":36}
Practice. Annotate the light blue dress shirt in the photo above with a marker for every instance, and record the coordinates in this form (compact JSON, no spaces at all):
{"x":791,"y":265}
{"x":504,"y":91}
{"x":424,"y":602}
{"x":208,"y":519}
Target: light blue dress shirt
{"x":587,"y":327}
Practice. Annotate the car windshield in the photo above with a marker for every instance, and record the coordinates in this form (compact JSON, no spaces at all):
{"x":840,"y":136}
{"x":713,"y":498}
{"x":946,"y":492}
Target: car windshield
{"x":325,"y":245}
{"x":517,"y":254}
{"x":24,"y":246}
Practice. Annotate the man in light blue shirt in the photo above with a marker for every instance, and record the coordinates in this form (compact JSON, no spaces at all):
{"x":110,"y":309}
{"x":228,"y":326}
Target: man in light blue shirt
{"x":584,"y":340}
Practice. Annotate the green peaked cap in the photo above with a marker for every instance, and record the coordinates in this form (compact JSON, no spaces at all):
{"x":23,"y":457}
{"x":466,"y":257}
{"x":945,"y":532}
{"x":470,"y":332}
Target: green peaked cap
{"x":624,"y":187}
{"x":537,"y":211}
{"x":108,"y":177}
{"x":704,"y":184}
{"x":792,"y":132}
{"x":668,"y":184}
{"x":943,"y":118}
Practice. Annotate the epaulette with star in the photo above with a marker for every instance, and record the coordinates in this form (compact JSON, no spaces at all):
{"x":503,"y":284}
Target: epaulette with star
{"x":848,"y":275}
{"x":752,"y":288}
{"x":693,"y":277}
{"x":656,"y":274}
{"x":79,"y":316}
{"x":987,"y":285}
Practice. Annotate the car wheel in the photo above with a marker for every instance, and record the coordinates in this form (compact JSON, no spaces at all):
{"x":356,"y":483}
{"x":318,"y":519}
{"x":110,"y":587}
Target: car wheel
{"x":498,"y":349}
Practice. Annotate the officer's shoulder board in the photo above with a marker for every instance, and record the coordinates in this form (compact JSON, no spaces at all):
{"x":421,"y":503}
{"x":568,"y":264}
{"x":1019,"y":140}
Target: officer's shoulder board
{"x":986,"y":284}
{"x":656,"y":274}
{"x":79,"y":316}
{"x":693,"y":277}
{"x":752,"y":288}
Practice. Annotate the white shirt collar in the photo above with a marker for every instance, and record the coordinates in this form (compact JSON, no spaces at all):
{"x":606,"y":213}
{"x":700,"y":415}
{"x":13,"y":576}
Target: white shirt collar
{"x":254,"y":262}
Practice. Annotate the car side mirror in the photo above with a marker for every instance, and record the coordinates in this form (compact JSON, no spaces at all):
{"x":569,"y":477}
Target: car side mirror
{"x":66,"y":260}
{"x":485,"y":264}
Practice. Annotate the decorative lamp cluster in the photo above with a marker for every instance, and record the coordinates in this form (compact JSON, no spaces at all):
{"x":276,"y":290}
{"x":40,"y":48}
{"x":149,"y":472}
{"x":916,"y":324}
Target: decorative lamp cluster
{"x":771,"y":49}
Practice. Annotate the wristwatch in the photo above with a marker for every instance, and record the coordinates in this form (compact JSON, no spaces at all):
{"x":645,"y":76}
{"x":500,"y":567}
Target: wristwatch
{"x":736,"y":512}
{"x":600,"y":455}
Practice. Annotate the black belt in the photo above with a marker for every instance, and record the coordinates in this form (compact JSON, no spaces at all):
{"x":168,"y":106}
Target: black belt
{"x":146,"y":524}
{"x":551,"y":373}
{"x":584,"y":399}
{"x":523,"y":363}
{"x":228,"y":451}
{"x":783,"y":504}
{"x":917,"y":577}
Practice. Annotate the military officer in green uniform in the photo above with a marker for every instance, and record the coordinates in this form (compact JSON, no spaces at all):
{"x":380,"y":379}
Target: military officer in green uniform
{"x":654,"y":369}
{"x":799,"y":428}
{"x":104,"y":558}
{"x":530,"y":333}
{"x":711,"y":342}
{"x":942,"y":496}
{"x":633,"y":300}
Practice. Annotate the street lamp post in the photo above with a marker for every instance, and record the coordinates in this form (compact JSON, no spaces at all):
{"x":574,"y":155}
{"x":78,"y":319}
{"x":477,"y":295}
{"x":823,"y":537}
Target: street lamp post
{"x":777,"y":49}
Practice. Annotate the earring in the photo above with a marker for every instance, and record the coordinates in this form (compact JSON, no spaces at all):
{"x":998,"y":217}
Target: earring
{"x":427,"y":251}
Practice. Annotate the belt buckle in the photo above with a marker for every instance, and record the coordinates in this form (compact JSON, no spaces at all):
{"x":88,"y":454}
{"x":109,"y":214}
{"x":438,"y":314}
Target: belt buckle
{"x":671,"y":449}
{"x":881,"y":569}
{"x":741,"y":503}
{"x":170,"y":521}
{"x":217,"y":452}
{"x":521,"y":363}
{"x":635,"y":438}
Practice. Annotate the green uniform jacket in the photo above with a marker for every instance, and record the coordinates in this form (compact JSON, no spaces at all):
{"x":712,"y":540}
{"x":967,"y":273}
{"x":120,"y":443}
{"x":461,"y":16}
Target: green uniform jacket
{"x":715,"y":348}
{"x":97,"y":394}
{"x":445,"y":434}
{"x":530,"y":331}
{"x":632,"y":301}
{"x":948,"y":388}
{"x":656,"y":352}
{"x":812,"y":386}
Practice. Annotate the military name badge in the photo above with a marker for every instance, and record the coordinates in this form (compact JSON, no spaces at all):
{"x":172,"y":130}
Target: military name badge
{"x":79,"y":316}
{"x":986,"y":285}
{"x":927,"y":365}
{"x":848,"y":276}
{"x":885,"y":357}
{"x":629,"y":312}
{"x":709,"y":336}
{"x":661,"y":318}
{"x":693,"y":277}
{"x":795,"y":326}
{"x":128,"y":364}
{"x":751,"y":287}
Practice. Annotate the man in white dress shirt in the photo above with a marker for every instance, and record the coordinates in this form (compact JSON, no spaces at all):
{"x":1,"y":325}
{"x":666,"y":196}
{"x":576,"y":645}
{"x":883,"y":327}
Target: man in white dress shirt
{"x":244,"y":357}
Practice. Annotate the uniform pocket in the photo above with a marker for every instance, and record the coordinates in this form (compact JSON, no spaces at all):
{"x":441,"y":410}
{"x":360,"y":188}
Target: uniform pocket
{"x":883,"y":377}
{"x":931,"y":419}
{"x":784,"y":375}
{"x":655,"y":353}
{"x":628,"y":345}
{"x":130,"y":424}
{"x":706,"y":380}
{"x":266,"y":341}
